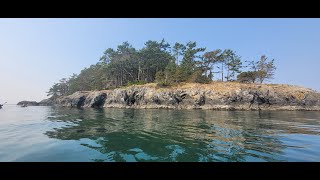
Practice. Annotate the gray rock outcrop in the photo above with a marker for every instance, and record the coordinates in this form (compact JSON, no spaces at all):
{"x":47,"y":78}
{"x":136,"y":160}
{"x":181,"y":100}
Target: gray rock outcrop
{"x":223,"y":96}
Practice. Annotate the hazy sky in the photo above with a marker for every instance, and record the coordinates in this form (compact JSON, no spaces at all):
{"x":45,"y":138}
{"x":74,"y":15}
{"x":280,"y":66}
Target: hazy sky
{"x":35,"y":53}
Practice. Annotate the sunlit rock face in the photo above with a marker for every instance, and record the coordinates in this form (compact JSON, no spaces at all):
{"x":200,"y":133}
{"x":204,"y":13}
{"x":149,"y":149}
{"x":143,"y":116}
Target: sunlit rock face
{"x":220,"y":96}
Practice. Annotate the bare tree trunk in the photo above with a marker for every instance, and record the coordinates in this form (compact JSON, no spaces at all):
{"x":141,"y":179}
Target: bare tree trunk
{"x":139,"y":70}
{"x":121,"y":78}
{"x":222,"y":71}
{"x":165,"y":80}
{"x":177,"y":59}
{"x":228,"y":73}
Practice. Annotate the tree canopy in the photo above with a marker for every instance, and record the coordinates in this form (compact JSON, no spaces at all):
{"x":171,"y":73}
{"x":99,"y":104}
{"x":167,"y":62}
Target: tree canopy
{"x":158,"y":62}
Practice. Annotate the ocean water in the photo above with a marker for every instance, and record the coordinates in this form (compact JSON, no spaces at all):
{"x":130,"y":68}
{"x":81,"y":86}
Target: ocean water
{"x":50,"y":134}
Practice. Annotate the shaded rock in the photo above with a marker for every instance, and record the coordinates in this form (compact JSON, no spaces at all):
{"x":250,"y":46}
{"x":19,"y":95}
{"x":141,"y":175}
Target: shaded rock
{"x":130,"y":99}
{"x":99,"y":100}
{"x":156,"y":100}
{"x":78,"y":102}
{"x":259,"y":98}
{"x":201,"y":101}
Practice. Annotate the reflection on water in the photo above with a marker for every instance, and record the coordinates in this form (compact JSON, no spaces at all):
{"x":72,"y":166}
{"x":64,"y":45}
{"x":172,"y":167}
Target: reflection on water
{"x":65,"y":134}
{"x":190,"y":135}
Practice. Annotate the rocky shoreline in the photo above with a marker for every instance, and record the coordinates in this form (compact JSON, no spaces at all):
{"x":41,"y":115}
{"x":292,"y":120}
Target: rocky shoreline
{"x":216,"y":96}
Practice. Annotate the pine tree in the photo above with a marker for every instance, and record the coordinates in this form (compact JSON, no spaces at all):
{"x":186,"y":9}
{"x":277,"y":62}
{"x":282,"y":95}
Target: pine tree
{"x":265,"y":69}
{"x":232,"y":63}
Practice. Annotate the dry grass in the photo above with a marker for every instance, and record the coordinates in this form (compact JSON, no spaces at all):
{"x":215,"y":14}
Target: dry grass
{"x":227,"y":87}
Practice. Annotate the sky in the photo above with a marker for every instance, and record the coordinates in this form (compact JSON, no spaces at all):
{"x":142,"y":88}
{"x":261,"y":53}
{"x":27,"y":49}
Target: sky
{"x":36,"y":53}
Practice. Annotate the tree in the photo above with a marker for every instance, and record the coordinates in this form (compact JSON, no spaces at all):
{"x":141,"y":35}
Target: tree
{"x":59,"y":89}
{"x":260,"y":70}
{"x":171,"y":72}
{"x":53,"y":91}
{"x":198,"y":76}
{"x":155,"y":57}
{"x":160,"y":78}
{"x":232,"y":63}
{"x":265,"y":69}
{"x":222,"y":60}
{"x":178,"y":49}
{"x":188,"y":64}
{"x":209,"y":60}
{"x":107,"y":56}
{"x":158,"y":62}
{"x":121,"y":65}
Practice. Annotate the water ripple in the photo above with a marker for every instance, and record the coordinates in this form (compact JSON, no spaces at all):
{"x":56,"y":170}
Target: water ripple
{"x":108,"y":135}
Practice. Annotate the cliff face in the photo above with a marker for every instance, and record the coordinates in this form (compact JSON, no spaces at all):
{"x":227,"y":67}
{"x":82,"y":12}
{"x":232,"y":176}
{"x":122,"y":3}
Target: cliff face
{"x":217,"y":95}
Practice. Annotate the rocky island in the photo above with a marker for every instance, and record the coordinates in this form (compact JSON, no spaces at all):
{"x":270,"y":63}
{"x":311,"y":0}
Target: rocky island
{"x":182,"y":76}
{"x":28,"y":103}
{"x":45,"y":102}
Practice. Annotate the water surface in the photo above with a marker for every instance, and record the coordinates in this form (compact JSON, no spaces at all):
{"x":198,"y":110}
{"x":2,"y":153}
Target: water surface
{"x":111,"y":135}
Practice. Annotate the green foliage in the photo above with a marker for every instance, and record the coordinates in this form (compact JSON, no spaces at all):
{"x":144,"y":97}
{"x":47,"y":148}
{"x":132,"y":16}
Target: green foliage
{"x":198,"y":77}
{"x":160,"y":77}
{"x":210,"y":59}
{"x":158,"y":62}
{"x":265,"y":69}
{"x":247,"y":77}
{"x":178,"y":50}
{"x":232,"y":63}
{"x":155,"y":57}
{"x":59,"y":89}
{"x":190,"y":57}
{"x":170,"y":72}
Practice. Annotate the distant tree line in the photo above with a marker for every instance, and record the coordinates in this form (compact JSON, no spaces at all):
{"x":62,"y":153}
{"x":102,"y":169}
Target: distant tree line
{"x":159,"y":62}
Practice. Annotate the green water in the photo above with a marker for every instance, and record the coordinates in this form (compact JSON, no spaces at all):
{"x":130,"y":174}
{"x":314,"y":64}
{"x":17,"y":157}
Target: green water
{"x":109,"y":135}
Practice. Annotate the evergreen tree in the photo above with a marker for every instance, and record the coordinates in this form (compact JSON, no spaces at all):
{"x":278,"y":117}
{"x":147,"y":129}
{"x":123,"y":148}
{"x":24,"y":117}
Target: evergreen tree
{"x":157,"y":62}
{"x":232,"y":63}
{"x":265,"y":69}
{"x":189,"y":60}
{"x":178,"y":50}
{"x":210,"y":59}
